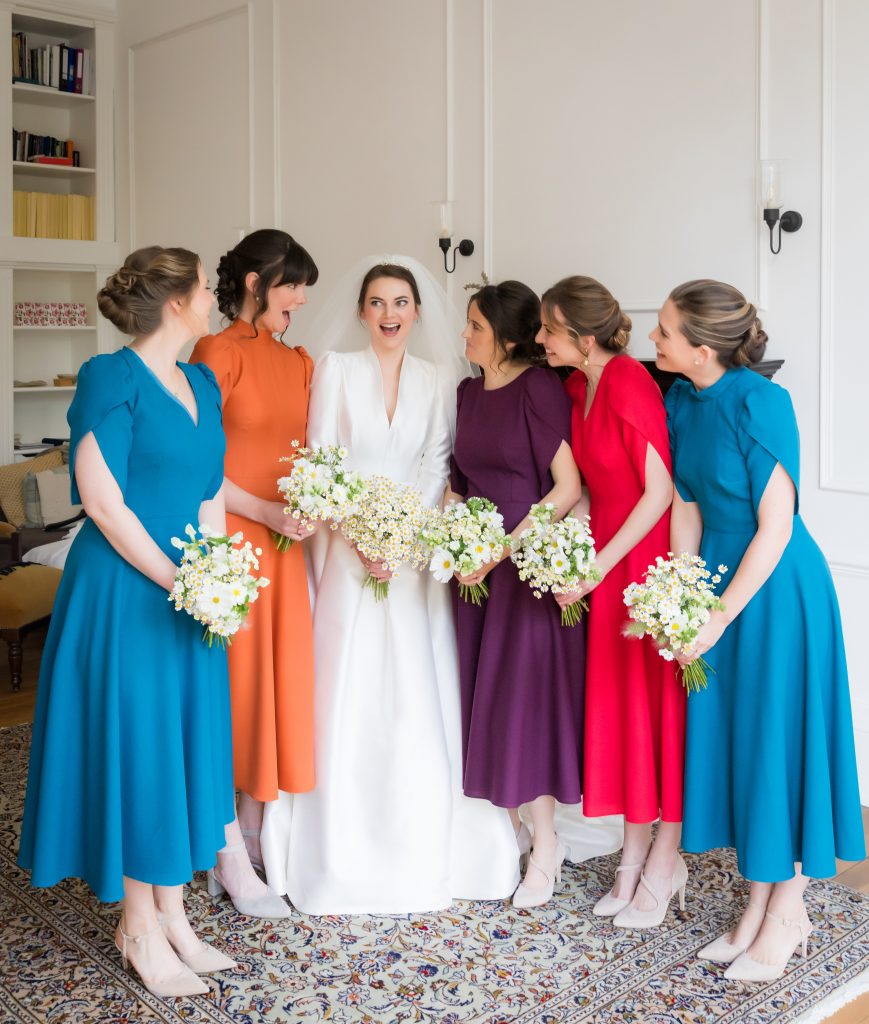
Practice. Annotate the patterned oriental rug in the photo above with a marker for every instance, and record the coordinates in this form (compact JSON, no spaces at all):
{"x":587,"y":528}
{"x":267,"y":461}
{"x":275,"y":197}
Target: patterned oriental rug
{"x":480,"y":963}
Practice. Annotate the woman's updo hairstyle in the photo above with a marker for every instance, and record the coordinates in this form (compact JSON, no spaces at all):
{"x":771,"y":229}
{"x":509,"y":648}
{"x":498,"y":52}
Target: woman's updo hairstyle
{"x":134,"y":296}
{"x":513,"y":312}
{"x":720,"y":316}
{"x":589,"y":309}
{"x":276,"y":257}
{"x":395,"y":270}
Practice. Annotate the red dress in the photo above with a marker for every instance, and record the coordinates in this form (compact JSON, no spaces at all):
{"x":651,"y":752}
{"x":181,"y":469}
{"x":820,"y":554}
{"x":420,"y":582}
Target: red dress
{"x":634,"y":702}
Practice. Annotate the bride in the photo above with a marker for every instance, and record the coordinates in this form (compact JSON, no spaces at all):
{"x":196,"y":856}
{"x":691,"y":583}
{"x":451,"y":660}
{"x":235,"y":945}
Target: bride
{"x":387,"y":829}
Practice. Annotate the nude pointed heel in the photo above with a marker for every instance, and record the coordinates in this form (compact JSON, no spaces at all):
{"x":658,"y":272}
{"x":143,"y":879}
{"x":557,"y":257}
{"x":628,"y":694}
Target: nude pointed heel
{"x":207,"y":960}
{"x":631,"y":917}
{"x":744,"y":968}
{"x":527,"y":896}
{"x":609,"y":905}
{"x":184,"y":983}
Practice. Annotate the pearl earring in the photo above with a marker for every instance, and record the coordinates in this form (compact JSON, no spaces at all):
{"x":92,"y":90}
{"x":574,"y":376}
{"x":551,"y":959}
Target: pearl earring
{"x":696,"y":362}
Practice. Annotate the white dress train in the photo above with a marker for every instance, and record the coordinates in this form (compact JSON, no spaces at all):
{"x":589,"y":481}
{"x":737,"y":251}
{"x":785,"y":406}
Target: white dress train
{"x":387,"y":830}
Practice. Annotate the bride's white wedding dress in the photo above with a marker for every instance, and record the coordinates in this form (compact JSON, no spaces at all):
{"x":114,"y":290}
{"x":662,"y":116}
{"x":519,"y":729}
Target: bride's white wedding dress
{"x":387,"y":829}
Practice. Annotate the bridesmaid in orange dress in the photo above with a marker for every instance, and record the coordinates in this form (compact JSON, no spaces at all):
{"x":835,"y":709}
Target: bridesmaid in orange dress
{"x":634,"y":703}
{"x":265,"y":385}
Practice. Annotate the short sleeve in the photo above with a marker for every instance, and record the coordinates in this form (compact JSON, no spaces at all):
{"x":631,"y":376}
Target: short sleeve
{"x":636,"y":401}
{"x":327,"y":389}
{"x":458,"y":480}
{"x":104,"y":402}
{"x":220,"y":354}
{"x":307,"y":363}
{"x":212,"y":389}
{"x":672,"y":404}
{"x":547,"y":416}
{"x":768,"y":435}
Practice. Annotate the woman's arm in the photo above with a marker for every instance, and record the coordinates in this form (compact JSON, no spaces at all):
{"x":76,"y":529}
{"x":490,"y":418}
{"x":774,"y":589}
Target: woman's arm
{"x":686,"y":526}
{"x":565,"y":493}
{"x":104,"y":503}
{"x":775,"y":521}
{"x":654,"y":502}
{"x":240,"y":502}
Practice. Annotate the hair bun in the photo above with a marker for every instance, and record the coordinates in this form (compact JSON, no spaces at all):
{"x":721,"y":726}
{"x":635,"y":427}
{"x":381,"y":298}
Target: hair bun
{"x":752,"y":347}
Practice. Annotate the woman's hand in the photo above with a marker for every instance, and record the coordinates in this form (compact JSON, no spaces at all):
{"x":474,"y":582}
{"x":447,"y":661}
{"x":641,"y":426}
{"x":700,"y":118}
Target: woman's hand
{"x":474,"y":578}
{"x":706,"y":638}
{"x":572,"y":596}
{"x":375,"y":569}
{"x":272,"y":515}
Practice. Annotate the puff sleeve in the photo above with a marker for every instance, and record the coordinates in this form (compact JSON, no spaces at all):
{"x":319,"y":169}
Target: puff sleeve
{"x":434,"y":467}
{"x":672,"y":403}
{"x":222,"y":357}
{"x":214,"y":394}
{"x":104,"y":403}
{"x":767,"y":434}
{"x":636,"y":401}
{"x":547,"y":416}
{"x":327,"y":390}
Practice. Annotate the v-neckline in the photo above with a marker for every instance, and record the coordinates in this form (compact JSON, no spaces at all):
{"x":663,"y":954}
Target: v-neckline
{"x":379,"y":372}
{"x":167,"y":392}
{"x":587,"y":412}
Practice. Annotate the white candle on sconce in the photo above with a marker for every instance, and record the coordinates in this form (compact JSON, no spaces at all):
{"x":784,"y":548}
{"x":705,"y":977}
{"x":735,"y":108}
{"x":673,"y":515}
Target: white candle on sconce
{"x":770,"y":185}
{"x":443,"y":215}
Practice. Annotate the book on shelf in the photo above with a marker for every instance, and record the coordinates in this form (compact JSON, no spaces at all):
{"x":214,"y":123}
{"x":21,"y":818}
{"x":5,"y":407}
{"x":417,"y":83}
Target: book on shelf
{"x":53,"y":65}
{"x":46,"y":215}
{"x":30,"y":147}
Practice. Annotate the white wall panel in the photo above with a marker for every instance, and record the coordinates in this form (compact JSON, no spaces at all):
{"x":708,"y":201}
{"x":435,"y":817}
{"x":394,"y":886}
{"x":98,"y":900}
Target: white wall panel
{"x":362,"y":137}
{"x":624,"y":143}
{"x":190,"y":147}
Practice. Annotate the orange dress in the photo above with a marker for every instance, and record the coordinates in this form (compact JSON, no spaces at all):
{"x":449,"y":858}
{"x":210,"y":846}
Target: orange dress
{"x":265,"y":388}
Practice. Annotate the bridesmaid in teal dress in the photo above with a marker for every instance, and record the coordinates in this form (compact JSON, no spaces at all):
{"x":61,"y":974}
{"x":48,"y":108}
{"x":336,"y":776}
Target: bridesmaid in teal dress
{"x":130,"y":783}
{"x":770,"y":767}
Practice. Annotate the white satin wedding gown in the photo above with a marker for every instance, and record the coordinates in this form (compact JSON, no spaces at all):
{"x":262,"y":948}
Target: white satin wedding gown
{"x":387,"y":829}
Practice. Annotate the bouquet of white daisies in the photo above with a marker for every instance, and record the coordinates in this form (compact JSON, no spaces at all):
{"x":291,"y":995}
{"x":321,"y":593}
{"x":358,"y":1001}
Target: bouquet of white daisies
{"x":215,"y":583}
{"x":386,"y":526}
{"x":556,"y":555}
{"x":319,"y":486}
{"x":672,"y":604}
{"x":463,"y":538}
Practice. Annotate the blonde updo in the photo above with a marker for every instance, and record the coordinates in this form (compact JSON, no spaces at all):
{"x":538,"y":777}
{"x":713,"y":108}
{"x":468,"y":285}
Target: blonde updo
{"x":133,"y":297}
{"x":589,"y":308}
{"x":719,"y":316}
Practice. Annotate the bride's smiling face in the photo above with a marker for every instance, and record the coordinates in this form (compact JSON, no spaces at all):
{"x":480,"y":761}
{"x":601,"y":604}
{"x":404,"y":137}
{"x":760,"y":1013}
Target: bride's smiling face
{"x":389,"y":312}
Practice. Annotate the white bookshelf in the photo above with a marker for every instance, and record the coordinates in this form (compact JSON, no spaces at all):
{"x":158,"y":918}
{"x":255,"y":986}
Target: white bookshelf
{"x":48,"y":269}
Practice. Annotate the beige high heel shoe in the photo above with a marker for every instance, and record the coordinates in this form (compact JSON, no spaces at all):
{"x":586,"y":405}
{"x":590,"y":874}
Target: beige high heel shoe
{"x":535,"y":896}
{"x":744,"y":968}
{"x":267,"y":905}
{"x":631,"y":917}
{"x":523,"y":841}
{"x":184,"y":983}
{"x":609,"y":905}
{"x":207,"y":961}
{"x":722,"y":951}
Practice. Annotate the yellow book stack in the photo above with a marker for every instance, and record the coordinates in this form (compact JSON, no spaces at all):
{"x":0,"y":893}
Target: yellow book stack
{"x":46,"y":215}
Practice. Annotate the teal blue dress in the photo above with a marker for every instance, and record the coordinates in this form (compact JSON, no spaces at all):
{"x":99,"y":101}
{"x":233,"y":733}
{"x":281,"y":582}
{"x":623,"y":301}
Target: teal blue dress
{"x":131,"y":763}
{"x":770,"y":767}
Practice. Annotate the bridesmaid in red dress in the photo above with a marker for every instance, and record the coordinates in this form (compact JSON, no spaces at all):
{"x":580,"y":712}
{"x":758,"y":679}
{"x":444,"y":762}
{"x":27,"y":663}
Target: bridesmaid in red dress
{"x":634,"y":702}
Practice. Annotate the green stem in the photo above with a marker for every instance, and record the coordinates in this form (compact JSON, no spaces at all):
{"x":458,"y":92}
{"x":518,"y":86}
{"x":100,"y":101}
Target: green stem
{"x":380,"y":588}
{"x":571,"y":614}
{"x":474,"y":593}
{"x":282,"y":543}
{"x":694,"y":675}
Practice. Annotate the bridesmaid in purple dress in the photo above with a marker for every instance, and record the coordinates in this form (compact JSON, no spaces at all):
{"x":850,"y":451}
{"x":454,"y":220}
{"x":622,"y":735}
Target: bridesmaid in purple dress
{"x":521,"y":671}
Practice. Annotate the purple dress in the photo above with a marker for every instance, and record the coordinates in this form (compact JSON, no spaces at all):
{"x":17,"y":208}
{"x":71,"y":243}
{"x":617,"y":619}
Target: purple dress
{"x":522,"y":673}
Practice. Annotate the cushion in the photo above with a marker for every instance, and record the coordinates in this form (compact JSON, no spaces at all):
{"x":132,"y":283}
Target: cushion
{"x":54,"y":500}
{"x":26,"y":594}
{"x":12,"y":483}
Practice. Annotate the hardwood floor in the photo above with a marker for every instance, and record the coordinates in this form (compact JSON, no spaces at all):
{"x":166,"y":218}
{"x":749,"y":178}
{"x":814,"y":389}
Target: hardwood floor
{"x":16,"y":708}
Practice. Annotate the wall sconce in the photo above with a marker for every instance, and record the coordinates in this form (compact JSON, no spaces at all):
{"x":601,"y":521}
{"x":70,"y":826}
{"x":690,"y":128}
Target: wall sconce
{"x":444,"y":221}
{"x":770,"y":197}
